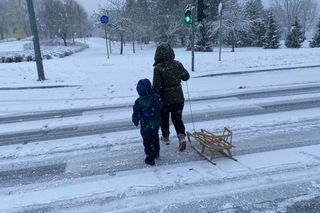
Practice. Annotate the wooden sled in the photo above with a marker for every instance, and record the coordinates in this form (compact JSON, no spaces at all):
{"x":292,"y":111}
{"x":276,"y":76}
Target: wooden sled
{"x":213,"y":143}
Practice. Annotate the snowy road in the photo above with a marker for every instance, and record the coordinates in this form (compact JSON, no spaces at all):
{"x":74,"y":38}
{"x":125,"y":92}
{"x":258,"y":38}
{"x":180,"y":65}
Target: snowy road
{"x":277,"y":92}
{"x":68,"y":131}
{"x":79,"y":163}
{"x":75,"y":167}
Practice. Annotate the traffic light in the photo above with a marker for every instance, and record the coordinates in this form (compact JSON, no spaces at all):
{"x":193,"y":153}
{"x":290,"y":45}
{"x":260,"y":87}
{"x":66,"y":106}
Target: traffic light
{"x":202,"y":9}
{"x":188,"y":16}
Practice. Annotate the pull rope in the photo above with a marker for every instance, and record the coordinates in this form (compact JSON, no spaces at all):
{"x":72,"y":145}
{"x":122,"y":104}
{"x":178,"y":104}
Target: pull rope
{"x":190,"y":107}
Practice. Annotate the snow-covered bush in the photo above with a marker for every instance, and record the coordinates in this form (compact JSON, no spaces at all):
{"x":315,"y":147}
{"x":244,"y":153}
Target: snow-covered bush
{"x":49,"y":49}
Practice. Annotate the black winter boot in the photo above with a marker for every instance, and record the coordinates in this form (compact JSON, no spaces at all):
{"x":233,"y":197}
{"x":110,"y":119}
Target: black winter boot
{"x":149,"y":160}
{"x":157,"y":155}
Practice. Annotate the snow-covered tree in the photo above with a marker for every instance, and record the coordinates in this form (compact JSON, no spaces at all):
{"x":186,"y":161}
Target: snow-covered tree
{"x":255,"y":12}
{"x":308,"y":14}
{"x":272,"y":37}
{"x":167,"y":20}
{"x":286,"y":11}
{"x":64,"y":19}
{"x":143,"y":20}
{"x":204,"y":36}
{"x":295,"y":37}
{"x":131,"y":16}
{"x":3,"y":25}
{"x":234,"y":22}
{"x":22,"y":16}
{"x":14,"y":20}
{"x":118,"y":25}
{"x":316,"y":38}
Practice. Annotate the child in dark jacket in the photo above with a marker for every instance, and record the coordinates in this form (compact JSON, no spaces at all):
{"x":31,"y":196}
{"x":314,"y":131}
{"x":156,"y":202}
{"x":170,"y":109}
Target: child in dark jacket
{"x":147,"y":111}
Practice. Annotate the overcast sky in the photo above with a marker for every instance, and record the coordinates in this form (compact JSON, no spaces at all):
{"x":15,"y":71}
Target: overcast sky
{"x":91,"y":5}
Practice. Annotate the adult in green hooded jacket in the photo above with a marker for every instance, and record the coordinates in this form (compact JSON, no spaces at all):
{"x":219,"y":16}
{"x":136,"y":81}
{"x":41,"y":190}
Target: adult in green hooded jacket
{"x":167,"y":76}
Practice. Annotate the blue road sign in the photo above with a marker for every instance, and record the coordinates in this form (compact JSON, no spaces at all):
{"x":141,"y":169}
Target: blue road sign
{"x":104,"y":19}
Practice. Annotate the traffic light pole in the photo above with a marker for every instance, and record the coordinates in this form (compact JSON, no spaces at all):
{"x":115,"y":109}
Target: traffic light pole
{"x":192,"y":39}
{"x":189,"y":19}
{"x":36,"y":43}
{"x":220,"y":36}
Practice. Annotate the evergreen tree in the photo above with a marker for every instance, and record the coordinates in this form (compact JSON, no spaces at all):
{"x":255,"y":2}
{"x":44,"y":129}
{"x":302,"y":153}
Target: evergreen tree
{"x":316,"y":38}
{"x":272,"y":36}
{"x":204,"y":37}
{"x":256,"y":14}
{"x":295,"y":37}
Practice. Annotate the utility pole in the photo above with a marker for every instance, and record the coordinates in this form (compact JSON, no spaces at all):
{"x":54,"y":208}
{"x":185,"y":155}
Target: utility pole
{"x":36,"y":43}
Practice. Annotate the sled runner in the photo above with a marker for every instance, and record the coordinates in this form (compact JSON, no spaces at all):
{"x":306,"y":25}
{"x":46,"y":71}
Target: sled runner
{"x":211,"y":143}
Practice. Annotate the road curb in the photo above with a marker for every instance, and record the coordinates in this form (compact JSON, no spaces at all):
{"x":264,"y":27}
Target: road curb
{"x":256,"y":71}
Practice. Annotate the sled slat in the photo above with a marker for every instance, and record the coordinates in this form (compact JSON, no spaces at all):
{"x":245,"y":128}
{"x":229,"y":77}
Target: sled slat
{"x":213,"y":143}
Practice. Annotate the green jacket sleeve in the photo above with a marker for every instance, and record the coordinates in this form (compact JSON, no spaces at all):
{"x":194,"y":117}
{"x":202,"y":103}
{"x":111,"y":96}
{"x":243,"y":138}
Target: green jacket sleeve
{"x":185,"y":75}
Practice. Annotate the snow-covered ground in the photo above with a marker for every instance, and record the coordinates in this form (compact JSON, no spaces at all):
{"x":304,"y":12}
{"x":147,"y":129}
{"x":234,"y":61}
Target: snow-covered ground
{"x":178,"y":179}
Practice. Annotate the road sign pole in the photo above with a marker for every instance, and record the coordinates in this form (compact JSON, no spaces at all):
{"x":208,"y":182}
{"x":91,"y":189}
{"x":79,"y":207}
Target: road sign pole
{"x":104,"y":20}
{"x":106,"y":35}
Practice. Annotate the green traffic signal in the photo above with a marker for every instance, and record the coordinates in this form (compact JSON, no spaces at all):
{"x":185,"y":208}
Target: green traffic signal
{"x":188,"y":16}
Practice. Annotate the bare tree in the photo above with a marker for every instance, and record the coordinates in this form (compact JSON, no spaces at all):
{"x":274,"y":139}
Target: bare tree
{"x":286,"y":11}
{"x":64,"y":19}
{"x":309,"y":14}
{"x":3,"y":26}
{"x":8,"y":22}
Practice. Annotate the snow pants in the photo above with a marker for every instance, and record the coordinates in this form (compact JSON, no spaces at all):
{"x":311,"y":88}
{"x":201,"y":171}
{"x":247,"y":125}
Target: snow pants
{"x":175,"y":110}
{"x":151,"y":142}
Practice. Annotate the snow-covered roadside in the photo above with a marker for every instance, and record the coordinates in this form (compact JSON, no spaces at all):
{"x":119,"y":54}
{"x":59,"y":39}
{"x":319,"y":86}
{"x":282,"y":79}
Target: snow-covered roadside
{"x":22,"y":101}
{"x":105,"y":82}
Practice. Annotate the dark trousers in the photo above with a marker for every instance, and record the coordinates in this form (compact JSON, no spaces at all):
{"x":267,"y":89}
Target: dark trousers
{"x":151,"y":142}
{"x":175,"y":110}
